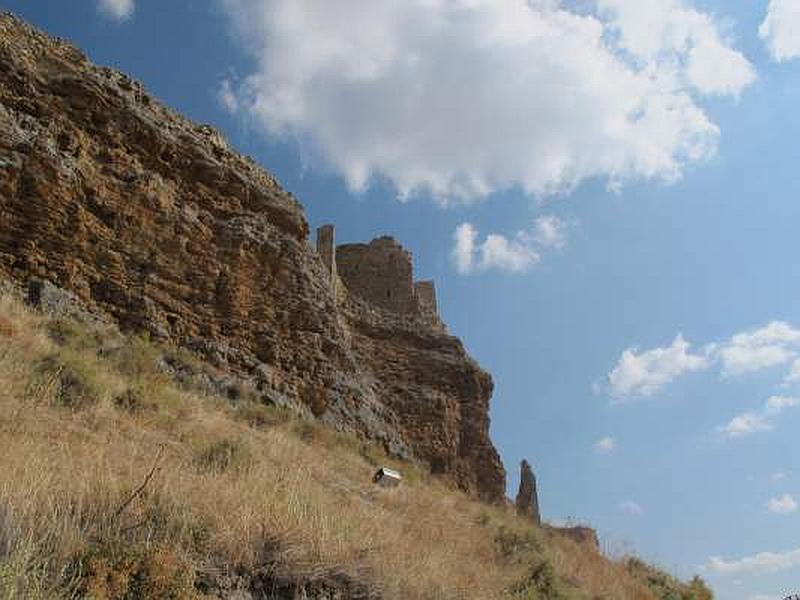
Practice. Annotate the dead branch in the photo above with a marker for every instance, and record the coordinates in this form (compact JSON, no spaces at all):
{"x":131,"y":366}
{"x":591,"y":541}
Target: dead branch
{"x":142,"y":486}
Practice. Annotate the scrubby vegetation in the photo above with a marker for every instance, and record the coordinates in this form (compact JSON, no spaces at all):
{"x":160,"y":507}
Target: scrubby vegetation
{"x":117,"y":482}
{"x":666,"y":587}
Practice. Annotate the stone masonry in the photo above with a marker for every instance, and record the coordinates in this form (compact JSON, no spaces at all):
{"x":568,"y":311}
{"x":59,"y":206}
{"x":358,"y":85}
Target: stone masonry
{"x":425,"y":292}
{"x":379,"y":272}
{"x":326,"y":248}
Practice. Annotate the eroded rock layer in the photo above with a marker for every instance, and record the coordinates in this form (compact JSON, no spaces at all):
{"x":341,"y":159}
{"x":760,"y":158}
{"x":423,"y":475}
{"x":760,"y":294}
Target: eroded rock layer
{"x":153,"y":221}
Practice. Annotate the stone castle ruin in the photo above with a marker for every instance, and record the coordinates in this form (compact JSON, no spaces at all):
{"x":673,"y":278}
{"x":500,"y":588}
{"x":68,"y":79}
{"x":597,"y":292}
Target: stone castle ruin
{"x":380,"y":273}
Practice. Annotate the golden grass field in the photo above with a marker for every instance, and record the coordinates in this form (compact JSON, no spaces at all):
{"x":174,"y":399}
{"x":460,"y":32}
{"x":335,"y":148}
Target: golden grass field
{"x":117,"y":483}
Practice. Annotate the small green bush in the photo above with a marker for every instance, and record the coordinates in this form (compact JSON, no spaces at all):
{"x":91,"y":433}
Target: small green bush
{"x":665,"y":586}
{"x":542,"y":584}
{"x":514,"y":543}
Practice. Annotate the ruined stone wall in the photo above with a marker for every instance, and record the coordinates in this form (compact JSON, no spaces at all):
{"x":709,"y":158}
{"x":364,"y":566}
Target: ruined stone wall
{"x":380,"y":273}
{"x":425,"y":292}
{"x":326,"y":248}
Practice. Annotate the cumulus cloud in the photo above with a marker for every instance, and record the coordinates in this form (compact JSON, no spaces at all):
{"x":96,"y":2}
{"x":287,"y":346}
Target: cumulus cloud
{"x":778,"y":476}
{"x":749,"y":422}
{"x":775,"y":344}
{"x":605,"y":445}
{"x":793,"y":376}
{"x":550,"y":231}
{"x":780,"y":30}
{"x":494,"y":252}
{"x":776,"y":404}
{"x":758,"y":564}
{"x":631,"y":507}
{"x":745,"y":424}
{"x":644,"y":373}
{"x":118,"y":10}
{"x":514,"y":254}
{"x":657,"y":31}
{"x":782,"y":506}
{"x":462,"y":98}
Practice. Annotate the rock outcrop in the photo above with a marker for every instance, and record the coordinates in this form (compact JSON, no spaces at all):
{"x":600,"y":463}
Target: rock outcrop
{"x":527,"y":501}
{"x":155,"y":223}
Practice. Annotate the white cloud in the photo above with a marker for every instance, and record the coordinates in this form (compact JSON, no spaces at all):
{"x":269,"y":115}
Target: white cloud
{"x":745,"y":424}
{"x":550,"y":231}
{"x":780,"y":30}
{"x":119,"y":10}
{"x":644,"y":373}
{"x":464,"y":248}
{"x":514,"y":254}
{"x":758,"y":564}
{"x":748,"y":423}
{"x":494,"y":252}
{"x":776,"y":404}
{"x":782,"y":506}
{"x":605,"y":445}
{"x":657,"y":31}
{"x":462,"y":98}
{"x":778,"y":476}
{"x":754,"y":350}
{"x":793,"y":376}
{"x":227,"y":98}
{"x":631,"y":507}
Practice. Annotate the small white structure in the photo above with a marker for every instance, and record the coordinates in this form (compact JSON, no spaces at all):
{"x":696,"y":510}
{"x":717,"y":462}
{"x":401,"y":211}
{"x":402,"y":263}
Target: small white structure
{"x":386,"y":477}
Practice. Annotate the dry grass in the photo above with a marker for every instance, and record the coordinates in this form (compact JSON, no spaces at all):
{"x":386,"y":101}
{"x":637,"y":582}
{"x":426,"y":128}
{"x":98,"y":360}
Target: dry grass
{"x":236,"y":493}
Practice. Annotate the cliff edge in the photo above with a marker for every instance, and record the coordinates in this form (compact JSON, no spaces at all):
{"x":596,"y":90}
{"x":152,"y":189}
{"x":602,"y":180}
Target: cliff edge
{"x":155,"y":223}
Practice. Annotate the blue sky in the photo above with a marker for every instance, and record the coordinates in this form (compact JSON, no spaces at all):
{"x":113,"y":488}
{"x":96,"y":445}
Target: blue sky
{"x":606,"y":193}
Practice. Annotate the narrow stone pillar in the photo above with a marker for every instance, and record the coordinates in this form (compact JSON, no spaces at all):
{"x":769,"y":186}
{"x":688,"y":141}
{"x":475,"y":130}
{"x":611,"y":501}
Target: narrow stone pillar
{"x":326,"y":248}
{"x":527,"y":498}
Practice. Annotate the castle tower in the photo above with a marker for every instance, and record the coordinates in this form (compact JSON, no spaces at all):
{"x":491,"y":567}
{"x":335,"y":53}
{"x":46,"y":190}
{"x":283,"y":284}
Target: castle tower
{"x":380,"y":273}
{"x":425,"y":292}
{"x":326,"y":248}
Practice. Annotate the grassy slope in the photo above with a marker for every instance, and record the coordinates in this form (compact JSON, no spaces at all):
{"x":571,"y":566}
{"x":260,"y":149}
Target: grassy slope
{"x":238,"y":492}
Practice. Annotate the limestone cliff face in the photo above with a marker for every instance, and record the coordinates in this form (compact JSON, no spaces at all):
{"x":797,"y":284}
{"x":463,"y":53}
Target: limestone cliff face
{"x":153,"y":221}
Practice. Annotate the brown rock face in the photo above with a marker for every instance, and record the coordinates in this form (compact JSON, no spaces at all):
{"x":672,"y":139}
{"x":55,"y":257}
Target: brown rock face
{"x":153,"y":221}
{"x":527,"y":501}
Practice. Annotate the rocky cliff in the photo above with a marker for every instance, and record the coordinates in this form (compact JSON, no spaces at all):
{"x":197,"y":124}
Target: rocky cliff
{"x":154,"y":222}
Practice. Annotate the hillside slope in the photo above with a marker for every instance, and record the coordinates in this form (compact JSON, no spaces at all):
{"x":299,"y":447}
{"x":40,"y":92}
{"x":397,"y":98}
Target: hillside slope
{"x":118,"y":482}
{"x":196,"y":406}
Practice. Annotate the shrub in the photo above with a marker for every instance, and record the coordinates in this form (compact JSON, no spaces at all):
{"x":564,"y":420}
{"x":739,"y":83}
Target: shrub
{"x":541,"y":584}
{"x":130,"y":574}
{"x":133,"y":401}
{"x":513,"y":543}
{"x":261,"y":416}
{"x":66,"y":383}
{"x":221,"y":455}
{"x":665,"y":586}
